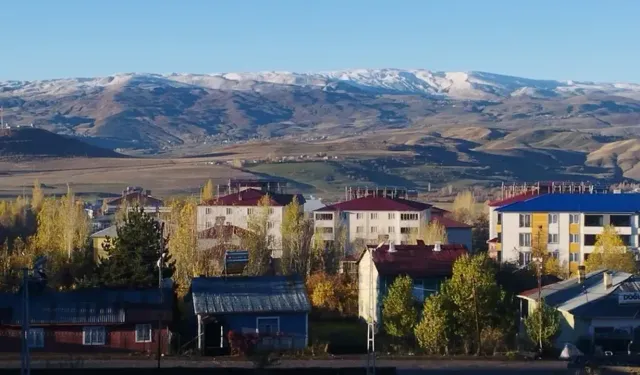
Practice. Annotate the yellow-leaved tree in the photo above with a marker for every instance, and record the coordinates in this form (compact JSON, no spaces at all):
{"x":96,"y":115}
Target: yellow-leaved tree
{"x":431,"y":233}
{"x":37,"y":196}
{"x":183,"y":242}
{"x":464,"y":207}
{"x":207,"y":193}
{"x":257,"y":239}
{"x":297,"y":232}
{"x":610,"y":253}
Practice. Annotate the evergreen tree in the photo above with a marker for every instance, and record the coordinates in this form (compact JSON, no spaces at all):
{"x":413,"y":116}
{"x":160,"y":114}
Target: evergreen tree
{"x":132,"y":257}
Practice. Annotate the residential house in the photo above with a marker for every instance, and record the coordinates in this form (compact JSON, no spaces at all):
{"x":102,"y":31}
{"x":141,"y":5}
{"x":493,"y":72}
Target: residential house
{"x":373,"y":219}
{"x":99,"y":238}
{"x":275,"y":308}
{"x":136,"y":196}
{"x":378,"y":266}
{"x":495,"y":221}
{"x":566,"y":224}
{"x":226,"y":235}
{"x":89,"y":320}
{"x":600,"y":308}
{"x":457,"y":232}
{"x":236,"y":208}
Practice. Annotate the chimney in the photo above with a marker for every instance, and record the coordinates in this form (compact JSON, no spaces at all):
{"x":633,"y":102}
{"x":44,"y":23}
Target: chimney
{"x":436,"y":246}
{"x":392,"y":247}
{"x":608,"y":280}
{"x":581,"y":274}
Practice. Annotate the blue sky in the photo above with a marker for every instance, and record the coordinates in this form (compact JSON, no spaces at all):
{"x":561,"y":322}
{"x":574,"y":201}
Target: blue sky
{"x":558,"y":39}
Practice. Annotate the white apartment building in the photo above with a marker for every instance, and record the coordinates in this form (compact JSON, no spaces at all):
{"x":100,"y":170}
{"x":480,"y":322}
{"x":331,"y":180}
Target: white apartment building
{"x":372,"y":219}
{"x":567,"y":224}
{"x":234,"y":210}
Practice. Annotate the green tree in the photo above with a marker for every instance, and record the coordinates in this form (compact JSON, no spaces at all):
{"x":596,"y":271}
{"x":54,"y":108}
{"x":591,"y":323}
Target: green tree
{"x":433,"y":332}
{"x":610,"y":253}
{"x":480,"y":232}
{"x":475,"y":296}
{"x":207,"y":192}
{"x":543,"y":323}
{"x":132,"y":256}
{"x":398,"y":310}
{"x":257,"y":239}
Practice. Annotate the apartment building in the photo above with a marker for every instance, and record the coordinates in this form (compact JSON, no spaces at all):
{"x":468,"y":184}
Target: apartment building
{"x":236,"y":208}
{"x":567,"y":224}
{"x":372,"y":219}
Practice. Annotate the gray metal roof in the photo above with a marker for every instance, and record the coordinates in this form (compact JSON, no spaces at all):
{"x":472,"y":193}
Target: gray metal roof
{"x":111,"y":231}
{"x":590,"y":298}
{"x":245,"y":294}
{"x":88,"y":306}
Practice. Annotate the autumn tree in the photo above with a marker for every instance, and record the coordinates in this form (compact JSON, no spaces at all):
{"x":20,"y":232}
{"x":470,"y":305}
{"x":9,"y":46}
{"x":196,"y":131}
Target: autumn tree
{"x":207,"y":192}
{"x":434,"y":331}
{"x":333,"y":294}
{"x":464,"y":207}
{"x":474,"y":295}
{"x":398,"y":310}
{"x":133,"y":255}
{"x":37,"y":196}
{"x":74,"y":223}
{"x":257,"y":239}
{"x":183,"y":241}
{"x":432,"y":232}
{"x":543,"y":324}
{"x":610,"y":253}
{"x":297,"y":232}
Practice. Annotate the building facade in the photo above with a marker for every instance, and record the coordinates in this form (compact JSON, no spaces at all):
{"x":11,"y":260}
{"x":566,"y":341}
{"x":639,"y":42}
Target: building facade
{"x":371,"y":220}
{"x":235,"y":210}
{"x":567,"y":225}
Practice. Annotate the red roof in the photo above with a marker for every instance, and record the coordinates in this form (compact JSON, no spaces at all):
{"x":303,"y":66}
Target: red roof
{"x":372,"y":203}
{"x":252,"y":197}
{"x":514,"y":199}
{"x":437,"y":211}
{"x":449,"y":223}
{"x":417,"y":260}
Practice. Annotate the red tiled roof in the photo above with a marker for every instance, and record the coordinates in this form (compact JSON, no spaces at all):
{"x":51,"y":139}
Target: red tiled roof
{"x":371,"y":203}
{"x":251,"y":197}
{"x":449,"y":223}
{"x":437,"y":211}
{"x":417,"y":260}
{"x":137,"y":198}
{"x":514,"y":199}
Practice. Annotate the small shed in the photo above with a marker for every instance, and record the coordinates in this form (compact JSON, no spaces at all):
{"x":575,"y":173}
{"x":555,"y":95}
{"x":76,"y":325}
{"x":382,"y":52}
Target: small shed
{"x":275,"y":308}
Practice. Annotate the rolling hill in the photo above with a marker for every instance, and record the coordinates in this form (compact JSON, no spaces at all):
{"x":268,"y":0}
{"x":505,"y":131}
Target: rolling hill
{"x":32,"y":142}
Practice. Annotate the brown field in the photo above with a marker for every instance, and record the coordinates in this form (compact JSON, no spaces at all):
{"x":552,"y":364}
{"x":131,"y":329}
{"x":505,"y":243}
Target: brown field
{"x":93,"y":176}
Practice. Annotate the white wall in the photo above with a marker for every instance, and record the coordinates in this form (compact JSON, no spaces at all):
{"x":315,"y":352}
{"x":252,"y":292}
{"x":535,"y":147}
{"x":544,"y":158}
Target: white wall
{"x":368,"y":285}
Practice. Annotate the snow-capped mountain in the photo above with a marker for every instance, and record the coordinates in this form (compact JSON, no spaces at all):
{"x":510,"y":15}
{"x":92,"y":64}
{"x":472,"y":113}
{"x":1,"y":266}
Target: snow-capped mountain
{"x":454,"y":85}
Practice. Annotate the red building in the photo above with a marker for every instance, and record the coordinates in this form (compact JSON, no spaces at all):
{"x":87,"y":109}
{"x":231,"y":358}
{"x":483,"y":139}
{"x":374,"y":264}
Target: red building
{"x":89,"y":320}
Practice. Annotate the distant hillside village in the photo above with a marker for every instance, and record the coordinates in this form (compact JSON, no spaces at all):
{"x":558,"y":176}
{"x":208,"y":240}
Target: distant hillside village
{"x":250,"y":266}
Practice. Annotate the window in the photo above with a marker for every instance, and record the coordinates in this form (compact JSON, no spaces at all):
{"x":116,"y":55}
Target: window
{"x":143,"y":332}
{"x":267,"y":326}
{"x":553,"y":238}
{"x":209,"y":224}
{"x":207,"y":210}
{"x":499,"y":219}
{"x":525,"y":239}
{"x":574,"y":257}
{"x":270,"y":225}
{"x":271,"y":211}
{"x":586,"y":256}
{"x":525,"y":221}
{"x":392,"y":215}
{"x":408,"y":230}
{"x":525,"y":258}
{"x":392,"y":229}
{"x":499,"y":237}
{"x":408,"y":217}
{"x":359,"y":229}
{"x":229,"y":211}
{"x":324,"y":216}
{"x":373,"y":229}
{"x":93,"y":336}
{"x":374,"y":216}
{"x":249,"y":211}
{"x":359,"y":216}
{"x":620,"y":220}
{"x":553,"y":218}
{"x":593,"y":220}
{"x":328,"y":230}
{"x":574,"y":219}
{"x":574,"y":238}
{"x":626,"y":239}
{"x":36,"y":337}
{"x":555,"y":254}
{"x":589,"y":239}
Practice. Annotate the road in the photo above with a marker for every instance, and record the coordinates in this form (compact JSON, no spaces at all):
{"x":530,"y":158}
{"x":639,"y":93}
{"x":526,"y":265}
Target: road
{"x":404,"y":367}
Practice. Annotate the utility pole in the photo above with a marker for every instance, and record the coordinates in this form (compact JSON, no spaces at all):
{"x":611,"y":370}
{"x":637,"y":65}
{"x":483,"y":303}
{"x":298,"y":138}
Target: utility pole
{"x":160,"y":266}
{"x":371,"y":333}
{"x":25,"y":366}
{"x":539,"y":262}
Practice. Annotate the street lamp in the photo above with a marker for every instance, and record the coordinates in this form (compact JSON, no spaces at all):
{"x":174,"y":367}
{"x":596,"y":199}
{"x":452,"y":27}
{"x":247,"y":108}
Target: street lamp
{"x":38,"y":267}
